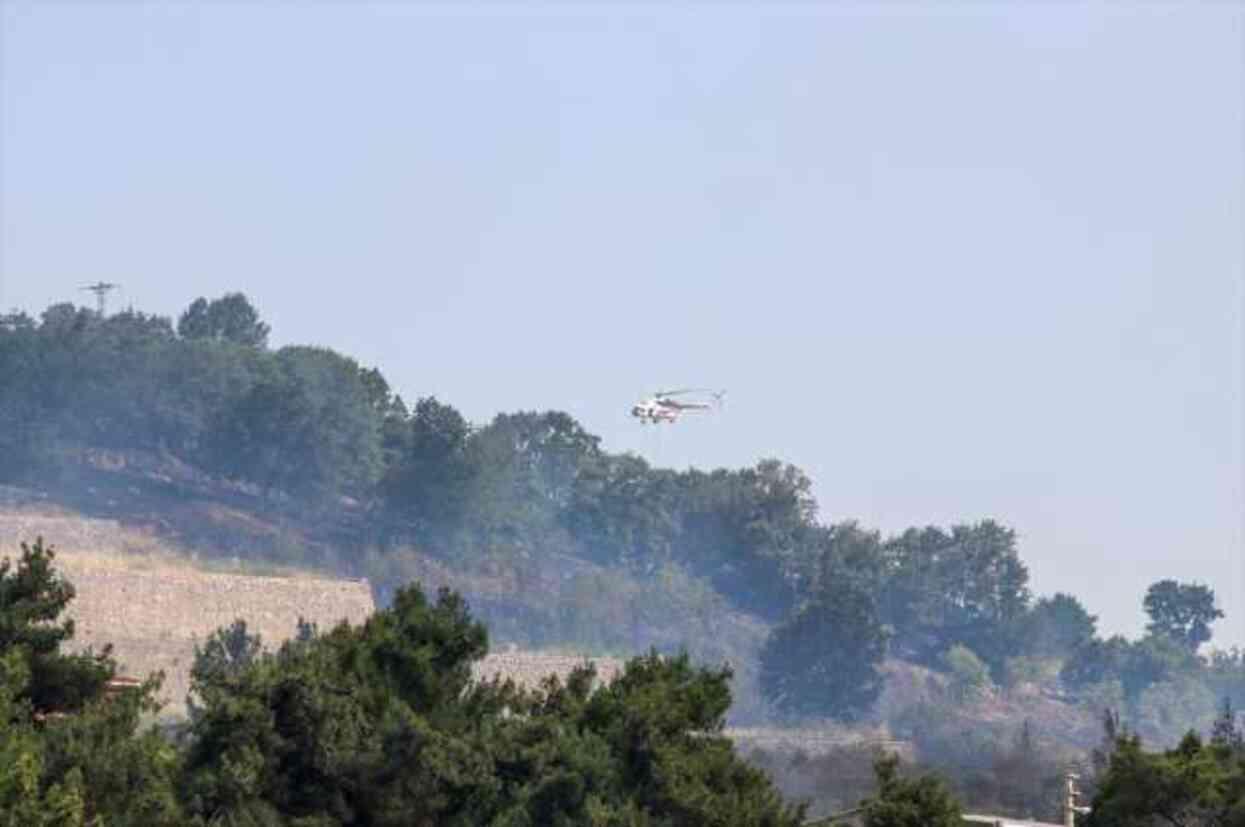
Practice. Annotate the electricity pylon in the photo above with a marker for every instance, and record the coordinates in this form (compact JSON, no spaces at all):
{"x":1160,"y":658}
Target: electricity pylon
{"x":101,"y":290}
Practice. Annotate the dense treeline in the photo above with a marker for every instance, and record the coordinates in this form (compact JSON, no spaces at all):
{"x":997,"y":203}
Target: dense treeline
{"x":309,"y":423}
{"x":638,"y":554}
{"x":379,"y":724}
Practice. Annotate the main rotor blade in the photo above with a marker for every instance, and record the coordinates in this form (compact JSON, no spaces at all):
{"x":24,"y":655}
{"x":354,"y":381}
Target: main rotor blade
{"x":681,"y":391}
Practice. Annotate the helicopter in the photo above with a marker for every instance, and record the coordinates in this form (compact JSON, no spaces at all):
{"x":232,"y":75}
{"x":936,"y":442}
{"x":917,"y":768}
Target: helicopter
{"x":663,"y":407}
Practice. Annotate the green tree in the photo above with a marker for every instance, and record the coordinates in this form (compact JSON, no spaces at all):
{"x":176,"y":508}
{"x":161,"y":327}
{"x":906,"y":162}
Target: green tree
{"x":624,"y":512}
{"x":32,"y":598}
{"x":824,"y":660}
{"x":227,"y":653}
{"x":230,"y":318}
{"x":69,"y":754}
{"x":383,"y":724}
{"x":849,"y":553}
{"x":903,"y":802}
{"x":1136,"y":665}
{"x":965,"y":586}
{"x":426,"y":480}
{"x":1096,"y":661}
{"x":358,"y":725}
{"x":1058,"y":625}
{"x":305,"y":426}
{"x":1183,"y":612}
{"x":970,"y":678}
{"x":1195,"y":784}
{"x":751,"y":532}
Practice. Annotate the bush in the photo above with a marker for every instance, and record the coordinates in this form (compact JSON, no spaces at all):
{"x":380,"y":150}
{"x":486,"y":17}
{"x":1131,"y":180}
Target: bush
{"x":970,"y":677}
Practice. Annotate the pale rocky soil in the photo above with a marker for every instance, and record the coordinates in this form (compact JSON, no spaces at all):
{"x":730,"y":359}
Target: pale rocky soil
{"x":154,"y":606}
{"x":155,"y":603}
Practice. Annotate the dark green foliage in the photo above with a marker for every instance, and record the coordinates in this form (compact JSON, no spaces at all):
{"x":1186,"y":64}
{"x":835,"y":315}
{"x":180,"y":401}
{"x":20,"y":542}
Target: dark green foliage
{"x":32,"y":597}
{"x":662,"y":721}
{"x":361,"y":725}
{"x":1136,"y":665}
{"x":1195,"y":783}
{"x":309,"y":427}
{"x":305,"y":426}
{"x":124,"y":382}
{"x":1153,"y":659}
{"x":224,"y":657}
{"x":1095,"y":661}
{"x":526,"y":466}
{"x":231,"y":318}
{"x":623,"y":511}
{"x":24,"y":434}
{"x":903,"y":802}
{"x":381,"y":724}
{"x":849,"y":554}
{"x":967,"y":586}
{"x":933,"y":590}
{"x":824,"y":661}
{"x":1058,"y":625}
{"x":586,"y":547}
{"x":69,"y":755}
{"x":1182,"y":612}
{"x":750,"y":532}
{"x":428,"y":469}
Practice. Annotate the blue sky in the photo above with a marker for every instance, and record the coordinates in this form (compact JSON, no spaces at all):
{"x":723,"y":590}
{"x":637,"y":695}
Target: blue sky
{"x":954,"y":260}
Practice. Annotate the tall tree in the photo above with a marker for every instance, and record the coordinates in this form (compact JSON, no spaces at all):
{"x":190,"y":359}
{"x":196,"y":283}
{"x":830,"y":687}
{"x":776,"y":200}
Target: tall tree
{"x":624,"y":512}
{"x":33,"y":596}
{"x":967,"y":586}
{"x":230,"y":318}
{"x":823,"y":662}
{"x":905,"y":802}
{"x":1182,"y":612}
{"x":1058,"y":625}
{"x":70,"y":755}
{"x":1194,"y":785}
{"x":304,"y":426}
{"x":426,"y":478}
{"x":383,"y":724}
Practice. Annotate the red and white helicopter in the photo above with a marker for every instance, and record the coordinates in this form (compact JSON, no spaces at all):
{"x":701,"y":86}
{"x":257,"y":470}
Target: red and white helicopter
{"x":663,"y":407}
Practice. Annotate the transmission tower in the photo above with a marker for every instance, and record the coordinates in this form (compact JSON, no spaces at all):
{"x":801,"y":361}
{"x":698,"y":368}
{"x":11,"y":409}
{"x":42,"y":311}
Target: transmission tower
{"x":101,"y":290}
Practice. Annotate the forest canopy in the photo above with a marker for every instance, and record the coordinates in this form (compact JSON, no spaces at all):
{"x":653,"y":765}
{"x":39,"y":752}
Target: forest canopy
{"x":633,"y":550}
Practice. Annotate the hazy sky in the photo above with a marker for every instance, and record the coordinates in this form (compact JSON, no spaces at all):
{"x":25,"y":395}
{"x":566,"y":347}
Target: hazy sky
{"x":956,"y":261}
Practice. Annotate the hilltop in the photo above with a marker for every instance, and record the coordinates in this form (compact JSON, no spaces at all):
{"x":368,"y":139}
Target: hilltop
{"x":198,"y":438}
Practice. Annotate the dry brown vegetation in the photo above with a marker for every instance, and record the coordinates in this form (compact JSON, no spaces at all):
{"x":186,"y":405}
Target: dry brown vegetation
{"x":154,"y":602}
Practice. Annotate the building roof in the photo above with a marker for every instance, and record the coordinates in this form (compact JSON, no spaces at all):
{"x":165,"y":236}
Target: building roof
{"x":1004,"y":821}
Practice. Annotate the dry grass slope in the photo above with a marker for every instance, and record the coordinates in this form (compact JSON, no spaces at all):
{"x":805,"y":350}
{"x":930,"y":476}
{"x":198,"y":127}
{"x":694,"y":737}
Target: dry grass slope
{"x":155,"y":602}
{"x":154,"y":606}
{"x":528,"y":669}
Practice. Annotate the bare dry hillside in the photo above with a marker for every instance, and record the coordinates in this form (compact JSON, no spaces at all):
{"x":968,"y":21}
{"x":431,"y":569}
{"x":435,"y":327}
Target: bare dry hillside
{"x":154,"y":605}
{"x":154,"y":602}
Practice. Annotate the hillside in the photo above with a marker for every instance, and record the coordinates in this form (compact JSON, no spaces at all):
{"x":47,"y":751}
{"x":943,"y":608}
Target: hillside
{"x":154,"y":605}
{"x":203,"y":443}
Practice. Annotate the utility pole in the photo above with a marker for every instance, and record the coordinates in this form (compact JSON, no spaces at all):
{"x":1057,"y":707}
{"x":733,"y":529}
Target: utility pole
{"x":1070,"y":807}
{"x":101,"y":290}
